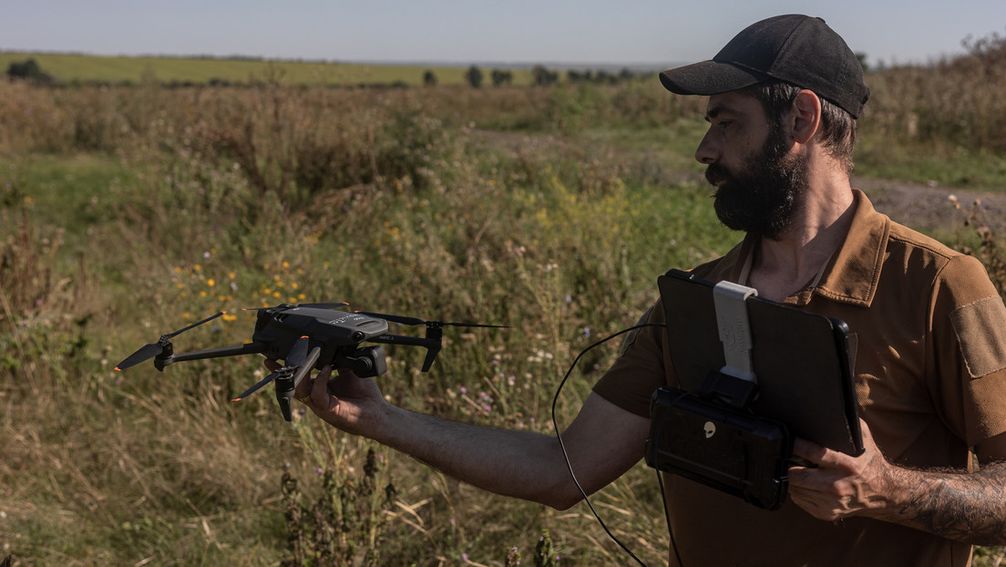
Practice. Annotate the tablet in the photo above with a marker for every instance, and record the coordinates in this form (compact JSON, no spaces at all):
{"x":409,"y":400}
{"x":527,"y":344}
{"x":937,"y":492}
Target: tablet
{"x":801,"y":360}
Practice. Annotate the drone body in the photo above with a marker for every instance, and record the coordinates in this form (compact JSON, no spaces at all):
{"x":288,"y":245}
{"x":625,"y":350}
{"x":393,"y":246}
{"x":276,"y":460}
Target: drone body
{"x":306,"y":337}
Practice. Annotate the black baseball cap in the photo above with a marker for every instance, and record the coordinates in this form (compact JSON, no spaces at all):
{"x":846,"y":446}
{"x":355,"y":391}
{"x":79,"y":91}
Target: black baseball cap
{"x":800,"y":50}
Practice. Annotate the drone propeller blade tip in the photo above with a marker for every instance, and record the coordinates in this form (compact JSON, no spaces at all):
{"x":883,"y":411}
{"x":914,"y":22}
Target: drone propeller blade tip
{"x":235,"y":400}
{"x":117,"y":369}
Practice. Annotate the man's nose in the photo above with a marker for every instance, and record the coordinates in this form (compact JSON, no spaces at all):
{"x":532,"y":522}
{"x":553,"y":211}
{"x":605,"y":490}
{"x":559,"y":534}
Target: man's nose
{"x":707,"y":152}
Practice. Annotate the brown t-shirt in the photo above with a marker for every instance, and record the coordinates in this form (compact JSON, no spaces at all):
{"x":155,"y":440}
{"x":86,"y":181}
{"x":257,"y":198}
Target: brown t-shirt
{"x":929,"y":333}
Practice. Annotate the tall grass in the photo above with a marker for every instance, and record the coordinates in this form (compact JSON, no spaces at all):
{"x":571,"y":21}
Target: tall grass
{"x":127,"y":212}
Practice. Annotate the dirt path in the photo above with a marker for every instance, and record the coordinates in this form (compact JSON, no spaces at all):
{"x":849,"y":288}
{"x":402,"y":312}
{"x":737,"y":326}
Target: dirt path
{"x":931,"y":207}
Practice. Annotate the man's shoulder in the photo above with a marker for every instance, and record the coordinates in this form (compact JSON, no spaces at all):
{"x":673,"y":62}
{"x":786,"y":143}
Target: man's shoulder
{"x":915,"y":242}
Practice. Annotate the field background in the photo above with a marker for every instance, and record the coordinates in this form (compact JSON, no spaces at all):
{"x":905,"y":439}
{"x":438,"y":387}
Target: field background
{"x":127,"y":211}
{"x":80,"y":68}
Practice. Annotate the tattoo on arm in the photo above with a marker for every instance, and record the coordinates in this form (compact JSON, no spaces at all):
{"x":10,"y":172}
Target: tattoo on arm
{"x":964,"y":507}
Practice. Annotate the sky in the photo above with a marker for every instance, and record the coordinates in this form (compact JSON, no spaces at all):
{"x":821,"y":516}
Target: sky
{"x":479,"y":31}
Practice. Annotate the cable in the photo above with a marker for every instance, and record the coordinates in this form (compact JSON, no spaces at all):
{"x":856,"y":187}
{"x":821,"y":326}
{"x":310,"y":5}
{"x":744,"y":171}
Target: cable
{"x":569,"y":465}
{"x":667,"y":516}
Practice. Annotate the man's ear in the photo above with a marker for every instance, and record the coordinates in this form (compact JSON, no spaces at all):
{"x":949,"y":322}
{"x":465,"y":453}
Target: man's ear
{"x":806,"y":117}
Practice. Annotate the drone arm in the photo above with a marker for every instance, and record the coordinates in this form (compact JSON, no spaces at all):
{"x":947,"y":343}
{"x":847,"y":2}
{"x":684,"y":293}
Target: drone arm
{"x":431,"y":342}
{"x":247,"y":348}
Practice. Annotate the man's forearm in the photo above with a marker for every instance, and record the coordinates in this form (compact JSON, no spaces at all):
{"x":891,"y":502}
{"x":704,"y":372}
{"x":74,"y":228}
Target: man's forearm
{"x":513,"y":463}
{"x":965,"y":507}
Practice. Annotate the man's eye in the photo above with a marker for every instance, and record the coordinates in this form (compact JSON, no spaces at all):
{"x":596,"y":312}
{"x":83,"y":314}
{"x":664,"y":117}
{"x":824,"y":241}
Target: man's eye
{"x":724,"y":123}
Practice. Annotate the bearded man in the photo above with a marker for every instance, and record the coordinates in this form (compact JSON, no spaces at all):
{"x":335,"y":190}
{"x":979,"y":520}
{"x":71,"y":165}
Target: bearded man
{"x":928,"y":327}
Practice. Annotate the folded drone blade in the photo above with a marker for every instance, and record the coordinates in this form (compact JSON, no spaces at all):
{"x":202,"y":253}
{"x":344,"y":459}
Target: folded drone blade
{"x":298,"y":353}
{"x":193,"y":325}
{"x":394,"y":318}
{"x":324,"y":305}
{"x":306,"y":366}
{"x":482,"y":325}
{"x":145,"y":352}
{"x":256,"y":387}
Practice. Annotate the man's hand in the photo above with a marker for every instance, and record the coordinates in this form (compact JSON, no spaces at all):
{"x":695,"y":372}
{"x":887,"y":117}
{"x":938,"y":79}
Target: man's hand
{"x":356,"y":407}
{"x":841,"y":485}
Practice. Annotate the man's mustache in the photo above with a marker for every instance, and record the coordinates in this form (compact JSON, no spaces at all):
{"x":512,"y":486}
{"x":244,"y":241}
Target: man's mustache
{"x":715,"y":174}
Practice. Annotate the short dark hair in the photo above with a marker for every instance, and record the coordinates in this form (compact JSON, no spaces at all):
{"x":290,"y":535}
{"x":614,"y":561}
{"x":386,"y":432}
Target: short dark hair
{"x":838,"y":127}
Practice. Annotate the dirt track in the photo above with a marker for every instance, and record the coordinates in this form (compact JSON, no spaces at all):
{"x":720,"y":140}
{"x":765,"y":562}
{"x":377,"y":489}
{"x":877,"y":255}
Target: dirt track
{"x":930,"y":207}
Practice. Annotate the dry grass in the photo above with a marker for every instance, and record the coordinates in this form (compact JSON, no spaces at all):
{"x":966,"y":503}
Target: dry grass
{"x":412,"y":201}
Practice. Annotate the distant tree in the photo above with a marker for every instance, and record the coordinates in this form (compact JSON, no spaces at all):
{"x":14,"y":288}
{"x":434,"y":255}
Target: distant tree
{"x":474,"y":76}
{"x":28,"y":70}
{"x":501,"y":77}
{"x":542,"y":77}
{"x":626,"y":74}
{"x":574,"y":76}
{"x":862,"y":60}
{"x":429,"y":79}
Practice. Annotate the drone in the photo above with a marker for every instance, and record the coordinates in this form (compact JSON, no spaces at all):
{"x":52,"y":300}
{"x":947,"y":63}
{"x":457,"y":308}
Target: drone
{"x":307,"y":336}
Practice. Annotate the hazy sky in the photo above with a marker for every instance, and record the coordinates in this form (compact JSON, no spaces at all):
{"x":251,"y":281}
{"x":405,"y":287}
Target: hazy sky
{"x":585,"y":31}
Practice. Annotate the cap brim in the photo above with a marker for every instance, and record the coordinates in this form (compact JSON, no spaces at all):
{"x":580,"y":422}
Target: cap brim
{"x":709,"y":78}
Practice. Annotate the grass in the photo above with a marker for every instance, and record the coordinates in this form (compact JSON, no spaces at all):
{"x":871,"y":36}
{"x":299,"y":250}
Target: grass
{"x":125,"y":212}
{"x":69,"y":68}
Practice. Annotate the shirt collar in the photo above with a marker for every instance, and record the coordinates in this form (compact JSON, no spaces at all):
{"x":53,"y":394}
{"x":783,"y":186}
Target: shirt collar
{"x":853,"y":272}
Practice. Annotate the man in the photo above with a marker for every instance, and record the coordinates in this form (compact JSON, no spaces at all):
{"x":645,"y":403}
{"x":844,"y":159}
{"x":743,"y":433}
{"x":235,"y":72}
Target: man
{"x":929,"y":327}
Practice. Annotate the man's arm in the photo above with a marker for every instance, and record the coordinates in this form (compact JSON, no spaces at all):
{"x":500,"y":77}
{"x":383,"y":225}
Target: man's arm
{"x":602,"y":442}
{"x":967,"y":507}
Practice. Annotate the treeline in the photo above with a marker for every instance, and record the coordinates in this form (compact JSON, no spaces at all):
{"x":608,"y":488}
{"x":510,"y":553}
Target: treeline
{"x":542,"y":76}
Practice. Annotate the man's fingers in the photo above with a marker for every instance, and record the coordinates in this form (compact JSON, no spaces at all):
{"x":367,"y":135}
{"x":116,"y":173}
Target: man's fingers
{"x":817,"y":454}
{"x":809,"y":451}
{"x":320,"y":397}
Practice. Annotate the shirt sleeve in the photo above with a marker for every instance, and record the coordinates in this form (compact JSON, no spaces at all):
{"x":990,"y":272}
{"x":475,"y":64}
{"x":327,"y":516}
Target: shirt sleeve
{"x":640,"y":367}
{"x":967,"y":354}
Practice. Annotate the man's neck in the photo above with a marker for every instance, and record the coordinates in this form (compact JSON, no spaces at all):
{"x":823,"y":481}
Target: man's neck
{"x":786,"y":264}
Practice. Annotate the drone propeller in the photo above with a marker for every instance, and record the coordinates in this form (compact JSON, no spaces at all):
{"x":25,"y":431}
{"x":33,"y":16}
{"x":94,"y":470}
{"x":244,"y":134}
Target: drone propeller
{"x":416,"y":321}
{"x":335,"y":305}
{"x":151,"y":350}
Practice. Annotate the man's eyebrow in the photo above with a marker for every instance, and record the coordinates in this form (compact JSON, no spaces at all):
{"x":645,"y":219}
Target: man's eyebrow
{"x":716,"y":110}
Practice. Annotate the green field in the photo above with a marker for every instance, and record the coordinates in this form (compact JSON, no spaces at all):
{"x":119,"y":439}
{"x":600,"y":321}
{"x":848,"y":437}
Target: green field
{"x":127,"y":211}
{"x":137,"y":69}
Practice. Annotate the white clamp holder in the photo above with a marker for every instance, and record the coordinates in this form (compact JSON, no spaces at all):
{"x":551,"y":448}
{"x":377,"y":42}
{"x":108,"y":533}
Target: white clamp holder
{"x":730,"y":301}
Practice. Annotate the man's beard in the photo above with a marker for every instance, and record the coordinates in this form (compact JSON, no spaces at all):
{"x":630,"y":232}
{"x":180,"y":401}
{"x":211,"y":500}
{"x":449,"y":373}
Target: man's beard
{"x":763,"y":198}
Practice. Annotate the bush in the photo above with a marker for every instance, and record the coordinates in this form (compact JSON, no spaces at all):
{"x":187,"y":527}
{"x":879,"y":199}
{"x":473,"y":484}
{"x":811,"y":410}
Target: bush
{"x":28,"y":70}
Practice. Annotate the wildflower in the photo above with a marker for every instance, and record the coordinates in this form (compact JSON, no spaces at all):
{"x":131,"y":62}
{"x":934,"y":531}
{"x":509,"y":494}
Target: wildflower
{"x":286,"y":265}
{"x":197,"y":268}
{"x":202,"y":293}
{"x":231,"y":275}
{"x":586,"y":332}
{"x":206,"y":255}
{"x":210,"y":282}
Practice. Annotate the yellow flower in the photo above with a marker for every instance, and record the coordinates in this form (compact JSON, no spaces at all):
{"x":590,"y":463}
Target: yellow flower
{"x":202,"y":293}
{"x":231,"y":275}
{"x":294,"y":285}
{"x":286,"y":265}
{"x":301,"y":296}
{"x":277,"y":294}
{"x":211,"y":282}
{"x":197,"y":267}
{"x":228,"y":317}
